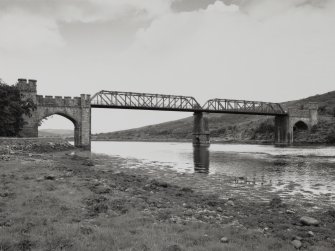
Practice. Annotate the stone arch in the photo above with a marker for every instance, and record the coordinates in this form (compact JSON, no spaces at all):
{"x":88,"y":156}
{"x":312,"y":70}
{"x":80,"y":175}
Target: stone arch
{"x":300,"y":125}
{"x":75,"y":123}
{"x":44,"y":113}
{"x":299,"y":128}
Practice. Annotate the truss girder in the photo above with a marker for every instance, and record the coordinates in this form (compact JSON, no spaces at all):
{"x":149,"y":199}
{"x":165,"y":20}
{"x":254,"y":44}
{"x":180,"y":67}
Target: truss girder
{"x":243,"y":106}
{"x":132,"y":100}
{"x":147,"y":101}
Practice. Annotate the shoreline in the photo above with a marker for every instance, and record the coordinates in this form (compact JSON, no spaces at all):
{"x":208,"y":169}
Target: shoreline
{"x":82,"y":197}
{"x":219,"y":142}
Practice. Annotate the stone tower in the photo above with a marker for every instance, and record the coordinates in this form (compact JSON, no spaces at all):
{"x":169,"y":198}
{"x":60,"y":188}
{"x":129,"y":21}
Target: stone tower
{"x":28,"y":90}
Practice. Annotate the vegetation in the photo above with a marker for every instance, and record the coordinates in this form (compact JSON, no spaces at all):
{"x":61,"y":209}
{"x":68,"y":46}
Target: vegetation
{"x":331,"y":137}
{"x":265,"y":127}
{"x":12,"y":108}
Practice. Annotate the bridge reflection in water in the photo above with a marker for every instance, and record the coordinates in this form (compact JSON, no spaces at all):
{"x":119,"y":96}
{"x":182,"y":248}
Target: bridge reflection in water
{"x":201,"y":159}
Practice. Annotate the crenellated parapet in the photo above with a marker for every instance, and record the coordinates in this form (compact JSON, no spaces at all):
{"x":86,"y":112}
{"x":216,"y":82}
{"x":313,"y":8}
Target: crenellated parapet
{"x":59,"y":101}
{"x":297,"y":112}
{"x":303,"y":111}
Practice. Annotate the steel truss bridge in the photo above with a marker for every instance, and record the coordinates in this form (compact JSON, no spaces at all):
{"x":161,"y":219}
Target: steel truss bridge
{"x":161,"y":102}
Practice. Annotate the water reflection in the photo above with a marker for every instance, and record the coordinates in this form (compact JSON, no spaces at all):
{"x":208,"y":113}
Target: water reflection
{"x":291,"y":170}
{"x":201,"y":159}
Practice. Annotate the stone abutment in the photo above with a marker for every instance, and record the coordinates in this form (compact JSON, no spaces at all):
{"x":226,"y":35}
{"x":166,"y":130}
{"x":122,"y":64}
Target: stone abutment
{"x":77,"y":110}
{"x":284,"y":125}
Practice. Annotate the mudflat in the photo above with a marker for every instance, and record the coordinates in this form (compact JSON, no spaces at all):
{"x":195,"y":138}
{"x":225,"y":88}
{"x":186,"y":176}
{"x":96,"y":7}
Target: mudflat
{"x":77,"y":201}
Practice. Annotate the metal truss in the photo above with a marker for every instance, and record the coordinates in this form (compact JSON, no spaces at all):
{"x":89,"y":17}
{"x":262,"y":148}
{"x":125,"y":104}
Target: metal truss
{"x":147,"y":101}
{"x":243,"y":107}
{"x":144,"y":101}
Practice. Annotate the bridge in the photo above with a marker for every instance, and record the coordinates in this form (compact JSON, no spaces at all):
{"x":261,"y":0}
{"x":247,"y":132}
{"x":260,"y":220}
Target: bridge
{"x":78,"y":110}
{"x":161,"y":102}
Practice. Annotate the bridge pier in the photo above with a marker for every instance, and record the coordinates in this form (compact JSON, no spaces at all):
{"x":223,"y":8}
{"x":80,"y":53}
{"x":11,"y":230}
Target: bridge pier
{"x":85,"y":121}
{"x":200,"y":129}
{"x":283,"y":131}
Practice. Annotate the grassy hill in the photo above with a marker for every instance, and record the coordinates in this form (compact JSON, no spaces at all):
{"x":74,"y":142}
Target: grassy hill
{"x":237,"y":128}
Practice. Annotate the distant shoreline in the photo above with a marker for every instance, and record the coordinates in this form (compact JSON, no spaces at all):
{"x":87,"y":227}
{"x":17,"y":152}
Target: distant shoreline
{"x":212,"y":142}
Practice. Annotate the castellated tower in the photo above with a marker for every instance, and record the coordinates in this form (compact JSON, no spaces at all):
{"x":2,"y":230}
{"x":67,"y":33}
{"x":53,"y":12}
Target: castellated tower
{"x":76,"y":109}
{"x":28,"y":90}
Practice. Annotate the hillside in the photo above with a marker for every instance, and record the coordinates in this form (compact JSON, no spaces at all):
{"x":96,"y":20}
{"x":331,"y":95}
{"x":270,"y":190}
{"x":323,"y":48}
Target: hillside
{"x":234,"y":127}
{"x":63,"y":133}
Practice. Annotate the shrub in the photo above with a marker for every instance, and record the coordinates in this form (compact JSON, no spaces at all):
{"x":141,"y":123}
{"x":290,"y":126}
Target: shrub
{"x":314,"y":128}
{"x":331,"y":137}
{"x":12,"y":108}
{"x":265,"y":127}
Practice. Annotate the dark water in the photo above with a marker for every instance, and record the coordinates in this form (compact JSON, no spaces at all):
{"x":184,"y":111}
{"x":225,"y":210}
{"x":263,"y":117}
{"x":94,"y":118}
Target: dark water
{"x":295,"y":170}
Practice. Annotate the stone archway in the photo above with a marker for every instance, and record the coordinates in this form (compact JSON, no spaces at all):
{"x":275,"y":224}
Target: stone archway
{"x":73,"y":113}
{"x":297,"y":120}
{"x":299,"y":130}
{"x":76,"y":109}
{"x":76,"y":124}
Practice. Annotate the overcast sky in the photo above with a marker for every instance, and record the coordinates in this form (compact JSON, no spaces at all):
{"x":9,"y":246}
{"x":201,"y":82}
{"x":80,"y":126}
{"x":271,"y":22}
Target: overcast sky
{"x":269,"y":50}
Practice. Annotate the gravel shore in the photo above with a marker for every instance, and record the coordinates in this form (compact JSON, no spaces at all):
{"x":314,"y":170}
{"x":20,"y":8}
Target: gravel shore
{"x":77,"y":201}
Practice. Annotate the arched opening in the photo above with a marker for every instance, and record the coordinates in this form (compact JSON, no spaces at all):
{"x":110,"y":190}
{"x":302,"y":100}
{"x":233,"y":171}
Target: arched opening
{"x":58,"y":126}
{"x":300,"y":126}
{"x":300,"y":131}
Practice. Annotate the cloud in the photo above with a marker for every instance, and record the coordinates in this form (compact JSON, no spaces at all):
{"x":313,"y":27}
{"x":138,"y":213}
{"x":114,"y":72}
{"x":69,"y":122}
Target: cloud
{"x":258,"y":41}
{"x":42,"y":20}
{"x":272,"y":8}
{"x":87,"y":10}
{"x":237,"y":50}
{"x":21,"y":31}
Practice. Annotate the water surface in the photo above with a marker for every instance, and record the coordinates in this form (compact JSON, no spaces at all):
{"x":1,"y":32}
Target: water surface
{"x":309,"y":171}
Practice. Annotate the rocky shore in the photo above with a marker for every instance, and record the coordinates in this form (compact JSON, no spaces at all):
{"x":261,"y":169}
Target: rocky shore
{"x":12,"y":146}
{"x":77,"y":201}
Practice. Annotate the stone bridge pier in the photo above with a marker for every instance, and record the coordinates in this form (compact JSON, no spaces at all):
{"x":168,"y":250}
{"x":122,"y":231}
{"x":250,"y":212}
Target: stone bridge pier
{"x":77,"y":110}
{"x":284,"y":125}
{"x":200,"y":129}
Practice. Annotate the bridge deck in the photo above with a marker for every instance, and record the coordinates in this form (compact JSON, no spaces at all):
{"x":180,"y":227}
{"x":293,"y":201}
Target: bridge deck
{"x":147,"y":101}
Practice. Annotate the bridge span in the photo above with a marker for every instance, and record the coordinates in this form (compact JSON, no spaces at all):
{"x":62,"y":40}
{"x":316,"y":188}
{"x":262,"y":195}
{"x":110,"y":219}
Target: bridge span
{"x":78,"y":110}
{"x":161,"y":102}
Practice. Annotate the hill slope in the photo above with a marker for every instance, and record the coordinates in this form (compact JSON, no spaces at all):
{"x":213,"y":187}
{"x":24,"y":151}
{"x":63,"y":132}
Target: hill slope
{"x":235,"y":127}
{"x":63,"y":133}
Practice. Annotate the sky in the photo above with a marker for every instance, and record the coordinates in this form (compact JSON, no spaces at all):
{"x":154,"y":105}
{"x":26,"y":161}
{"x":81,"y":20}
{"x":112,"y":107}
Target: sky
{"x":268,"y":50}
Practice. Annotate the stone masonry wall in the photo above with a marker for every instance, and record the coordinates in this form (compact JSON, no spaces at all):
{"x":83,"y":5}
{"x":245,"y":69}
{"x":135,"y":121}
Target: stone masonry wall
{"x":77,"y":110}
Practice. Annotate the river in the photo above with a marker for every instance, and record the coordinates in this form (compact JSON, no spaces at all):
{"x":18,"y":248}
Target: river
{"x":290,"y":171}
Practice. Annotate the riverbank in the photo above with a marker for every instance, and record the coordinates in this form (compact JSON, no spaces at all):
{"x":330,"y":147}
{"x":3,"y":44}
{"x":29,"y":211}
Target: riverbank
{"x":215,"y":141}
{"x":62,"y":200}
